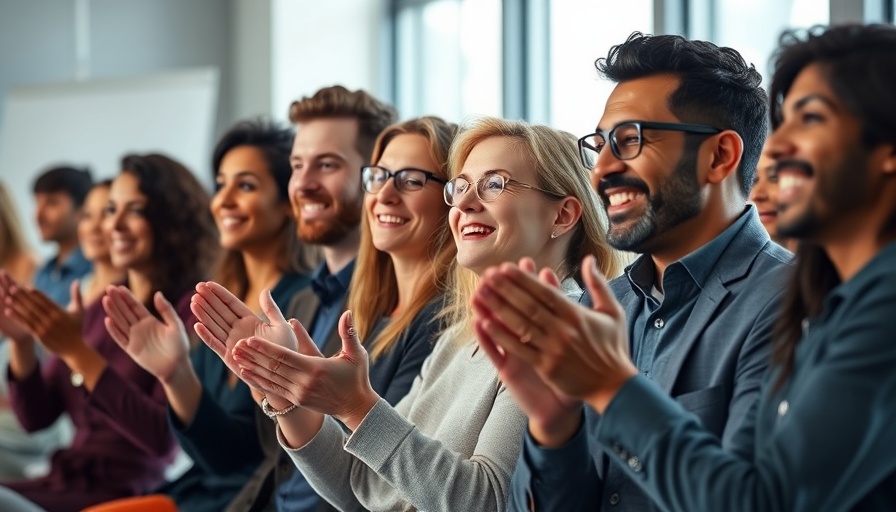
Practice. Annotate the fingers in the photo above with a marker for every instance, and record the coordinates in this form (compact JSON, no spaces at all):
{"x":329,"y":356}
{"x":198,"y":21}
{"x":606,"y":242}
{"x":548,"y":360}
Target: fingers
{"x":123,"y":306}
{"x":276,"y":367}
{"x":166,"y":310}
{"x":603,"y":298}
{"x":210,"y":321}
{"x":217,"y":345}
{"x":121,"y":337}
{"x":305,"y":344}
{"x":225,"y":304}
{"x":505,"y":341}
{"x":488,"y":346}
{"x":269,"y":308}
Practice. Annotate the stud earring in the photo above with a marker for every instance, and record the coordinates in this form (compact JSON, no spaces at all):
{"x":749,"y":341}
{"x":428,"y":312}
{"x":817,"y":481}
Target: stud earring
{"x":553,"y":234}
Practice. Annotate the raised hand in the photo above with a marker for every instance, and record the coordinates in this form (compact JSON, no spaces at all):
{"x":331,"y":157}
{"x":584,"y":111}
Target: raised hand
{"x":160,"y":347}
{"x":8,"y":326}
{"x":338,"y":386}
{"x":553,"y":416}
{"x":223,"y":320}
{"x":582,"y":353}
{"x":59,"y":330}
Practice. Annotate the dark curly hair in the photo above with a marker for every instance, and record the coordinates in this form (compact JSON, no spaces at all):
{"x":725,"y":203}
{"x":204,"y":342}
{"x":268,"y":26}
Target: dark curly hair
{"x":717,"y":87}
{"x":185,"y":240}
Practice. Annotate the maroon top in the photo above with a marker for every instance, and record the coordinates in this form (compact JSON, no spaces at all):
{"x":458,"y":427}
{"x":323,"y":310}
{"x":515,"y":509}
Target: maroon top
{"x":122,"y":441}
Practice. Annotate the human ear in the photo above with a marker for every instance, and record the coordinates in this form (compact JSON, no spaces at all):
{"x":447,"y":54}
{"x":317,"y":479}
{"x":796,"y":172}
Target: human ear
{"x":568,"y":214}
{"x":726,"y":155}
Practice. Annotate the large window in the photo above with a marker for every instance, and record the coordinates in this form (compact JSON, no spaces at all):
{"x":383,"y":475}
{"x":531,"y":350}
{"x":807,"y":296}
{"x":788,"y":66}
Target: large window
{"x":448,"y":58}
{"x":581,"y":32}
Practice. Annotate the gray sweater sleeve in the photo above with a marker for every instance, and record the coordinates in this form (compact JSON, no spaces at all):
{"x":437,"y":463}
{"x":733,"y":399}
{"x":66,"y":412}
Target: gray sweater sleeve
{"x":456,"y":455}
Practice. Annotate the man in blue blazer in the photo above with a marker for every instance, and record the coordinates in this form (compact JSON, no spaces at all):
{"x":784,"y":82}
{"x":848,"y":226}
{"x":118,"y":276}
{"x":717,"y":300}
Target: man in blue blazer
{"x":673,"y":158}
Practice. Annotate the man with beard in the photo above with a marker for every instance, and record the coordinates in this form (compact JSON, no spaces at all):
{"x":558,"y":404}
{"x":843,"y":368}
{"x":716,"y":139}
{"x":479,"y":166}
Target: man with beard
{"x":821,"y":434}
{"x":335,"y":133}
{"x":673,"y":159}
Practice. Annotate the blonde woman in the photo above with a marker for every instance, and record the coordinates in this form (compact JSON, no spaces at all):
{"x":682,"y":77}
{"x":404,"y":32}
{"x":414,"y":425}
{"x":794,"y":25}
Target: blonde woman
{"x":451,"y":444}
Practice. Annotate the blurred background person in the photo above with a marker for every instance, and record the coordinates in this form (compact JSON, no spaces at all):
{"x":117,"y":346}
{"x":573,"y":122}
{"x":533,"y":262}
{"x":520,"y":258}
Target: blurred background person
{"x":59,"y":194}
{"x":123,"y":441}
{"x":94,"y":242}
{"x":764,"y":194}
{"x":209,"y":407}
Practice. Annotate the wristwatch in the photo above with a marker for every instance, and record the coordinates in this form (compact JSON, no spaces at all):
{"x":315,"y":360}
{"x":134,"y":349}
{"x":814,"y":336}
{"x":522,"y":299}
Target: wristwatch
{"x":77,"y":379}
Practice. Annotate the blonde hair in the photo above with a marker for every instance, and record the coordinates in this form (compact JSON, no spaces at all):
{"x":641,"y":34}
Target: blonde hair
{"x":12,"y":241}
{"x":374,"y":290}
{"x":558,"y":171}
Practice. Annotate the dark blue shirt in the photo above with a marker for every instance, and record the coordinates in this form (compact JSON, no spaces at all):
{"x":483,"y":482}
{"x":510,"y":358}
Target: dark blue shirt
{"x":296,"y":493}
{"x":55,"y":278}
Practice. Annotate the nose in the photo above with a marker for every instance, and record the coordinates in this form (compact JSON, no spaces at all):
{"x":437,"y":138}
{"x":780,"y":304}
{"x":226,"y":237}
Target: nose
{"x":389,"y":193}
{"x":779,"y":144}
{"x":468,"y":201}
{"x":302,"y":181}
{"x":223,"y":197}
{"x":605,"y":165}
{"x":758,"y":193}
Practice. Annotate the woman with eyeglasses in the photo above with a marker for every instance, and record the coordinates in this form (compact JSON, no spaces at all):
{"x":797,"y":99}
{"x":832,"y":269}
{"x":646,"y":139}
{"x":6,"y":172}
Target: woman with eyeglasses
{"x":451,"y":444}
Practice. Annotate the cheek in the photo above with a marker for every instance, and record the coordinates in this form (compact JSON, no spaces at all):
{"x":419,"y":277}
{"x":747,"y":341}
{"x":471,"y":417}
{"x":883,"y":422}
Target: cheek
{"x":453,"y":220}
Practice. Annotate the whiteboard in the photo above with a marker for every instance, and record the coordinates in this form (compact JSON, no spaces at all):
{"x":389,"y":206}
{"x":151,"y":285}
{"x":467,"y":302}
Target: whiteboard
{"x":95,"y":123}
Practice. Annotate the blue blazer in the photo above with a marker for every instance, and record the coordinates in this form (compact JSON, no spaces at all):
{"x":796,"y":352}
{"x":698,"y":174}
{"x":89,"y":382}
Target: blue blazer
{"x":715,"y":374}
{"x":824,"y":441}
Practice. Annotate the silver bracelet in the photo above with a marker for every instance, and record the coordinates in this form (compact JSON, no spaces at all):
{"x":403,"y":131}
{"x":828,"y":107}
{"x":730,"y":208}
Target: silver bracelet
{"x":272,"y":413}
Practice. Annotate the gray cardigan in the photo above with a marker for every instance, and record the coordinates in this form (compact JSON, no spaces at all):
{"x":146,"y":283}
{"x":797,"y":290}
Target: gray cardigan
{"x":450,"y":444}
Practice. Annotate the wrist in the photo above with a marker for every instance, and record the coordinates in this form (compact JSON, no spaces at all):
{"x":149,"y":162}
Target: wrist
{"x":353,"y":417}
{"x":275,"y":412}
{"x":600,"y":399}
{"x":557,"y":430}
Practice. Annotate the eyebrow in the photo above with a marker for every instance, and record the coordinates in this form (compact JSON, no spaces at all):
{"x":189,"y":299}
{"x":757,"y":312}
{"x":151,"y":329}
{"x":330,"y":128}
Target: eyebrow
{"x":800,"y":103}
{"x":319,"y":157}
{"x":240,"y":174}
{"x":486,"y":173}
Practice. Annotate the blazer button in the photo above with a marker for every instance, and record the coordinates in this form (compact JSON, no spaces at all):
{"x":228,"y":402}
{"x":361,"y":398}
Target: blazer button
{"x":635,"y":464}
{"x":659,"y":323}
{"x":614,"y":498}
{"x":783,"y":408}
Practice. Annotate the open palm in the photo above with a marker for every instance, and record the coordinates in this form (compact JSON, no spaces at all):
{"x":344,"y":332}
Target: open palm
{"x":158,"y":346}
{"x":223,"y":320}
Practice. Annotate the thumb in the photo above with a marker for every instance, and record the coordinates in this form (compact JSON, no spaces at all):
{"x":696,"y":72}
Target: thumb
{"x":604,"y":301}
{"x":351,"y":345}
{"x":77,"y":302}
{"x":165,"y":309}
{"x":305,"y":343}
{"x":269,"y":308}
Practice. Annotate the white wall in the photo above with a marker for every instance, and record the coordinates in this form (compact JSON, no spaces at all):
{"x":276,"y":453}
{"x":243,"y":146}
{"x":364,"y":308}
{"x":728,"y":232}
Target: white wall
{"x":320,"y":43}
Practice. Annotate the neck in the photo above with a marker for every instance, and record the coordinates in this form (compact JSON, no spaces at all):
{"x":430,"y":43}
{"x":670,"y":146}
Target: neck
{"x":140,"y":285}
{"x":690,"y":236}
{"x":856,"y":241}
{"x":104,"y":273}
{"x":65,"y":248}
{"x":342,"y":253}
{"x":262,"y":272}
{"x":408,"y":274}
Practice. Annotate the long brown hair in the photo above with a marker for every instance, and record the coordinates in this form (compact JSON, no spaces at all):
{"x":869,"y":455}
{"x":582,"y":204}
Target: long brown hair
{"x":374,"y":289}
{"x":12,"y":241}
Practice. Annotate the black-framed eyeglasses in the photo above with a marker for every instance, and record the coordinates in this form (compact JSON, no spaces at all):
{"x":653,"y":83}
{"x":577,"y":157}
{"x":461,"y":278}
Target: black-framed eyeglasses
{"x":488,"y":187}
{"x":626,"y":139}
{"x":374,"y":178}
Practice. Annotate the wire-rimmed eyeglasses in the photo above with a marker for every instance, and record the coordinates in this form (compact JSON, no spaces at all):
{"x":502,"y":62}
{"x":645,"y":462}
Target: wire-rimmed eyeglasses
{"x":488,"y":187}
{"x":374,"y":178}
{"x":626,"y":139}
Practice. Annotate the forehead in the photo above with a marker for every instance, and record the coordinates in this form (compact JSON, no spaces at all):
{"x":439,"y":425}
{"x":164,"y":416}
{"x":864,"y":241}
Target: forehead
{"x":408,"y":150}
{"x":320,"y":136}
{"x":642,"y":99}
{"x":244,"y":158}
{"x":506,"y":153}
{"x":125,"y":187}
{"x":810,"y":83}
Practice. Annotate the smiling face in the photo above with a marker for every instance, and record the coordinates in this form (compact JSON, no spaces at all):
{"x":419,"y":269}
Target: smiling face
{"x":247,"y":208}
{"x":126,"y":226}
{"x":822,"y":166}
{"x":325,"y":187}
{"x":403,"y":223}
{"x":517,"y":223}
{"x":93,"y":240}
{"x":764,"y":194}
{"x":648,"y":197}
{"x":56,"y":215}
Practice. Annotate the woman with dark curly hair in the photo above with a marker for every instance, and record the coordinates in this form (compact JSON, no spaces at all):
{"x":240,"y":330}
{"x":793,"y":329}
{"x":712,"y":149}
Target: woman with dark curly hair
{"x":162,"y":233}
